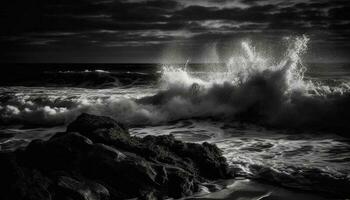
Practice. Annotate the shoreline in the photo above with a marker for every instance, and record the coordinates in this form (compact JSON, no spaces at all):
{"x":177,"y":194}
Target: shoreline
{"x":96,"y":158}
{"x":237,"y":188}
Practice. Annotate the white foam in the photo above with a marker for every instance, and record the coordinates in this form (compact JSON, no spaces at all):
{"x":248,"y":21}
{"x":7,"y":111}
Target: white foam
{"x":250,"y":84}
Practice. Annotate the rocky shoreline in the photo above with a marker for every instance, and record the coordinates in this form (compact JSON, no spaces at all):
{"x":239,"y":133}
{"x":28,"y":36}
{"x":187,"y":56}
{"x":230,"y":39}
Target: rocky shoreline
{"x":96,"y":158}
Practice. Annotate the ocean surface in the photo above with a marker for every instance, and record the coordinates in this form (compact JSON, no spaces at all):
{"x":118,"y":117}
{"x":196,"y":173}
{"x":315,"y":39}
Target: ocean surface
{"x":279,"y":121}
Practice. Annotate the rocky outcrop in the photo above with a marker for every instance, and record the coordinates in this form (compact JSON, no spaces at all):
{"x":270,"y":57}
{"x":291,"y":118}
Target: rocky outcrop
{"x":96,"y":158}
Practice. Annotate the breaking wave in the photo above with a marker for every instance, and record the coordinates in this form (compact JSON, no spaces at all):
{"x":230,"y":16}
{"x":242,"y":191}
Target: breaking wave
{"x":265,"y":91}
{"x":254,"y":88}
{"x":249,"y":87}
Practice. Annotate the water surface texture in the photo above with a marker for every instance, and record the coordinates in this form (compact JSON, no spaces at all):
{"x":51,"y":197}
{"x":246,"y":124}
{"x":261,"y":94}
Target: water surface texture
{"x":277,"y":120}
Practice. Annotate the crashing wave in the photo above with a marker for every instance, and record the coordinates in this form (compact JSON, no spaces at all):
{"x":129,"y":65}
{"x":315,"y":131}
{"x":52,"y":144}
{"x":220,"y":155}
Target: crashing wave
{"x":254,"y":88}
{"x":249,"y":87}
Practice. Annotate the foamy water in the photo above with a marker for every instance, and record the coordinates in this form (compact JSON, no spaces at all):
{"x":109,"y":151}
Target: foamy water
{"x":274,"y":120}
{"x":304,"y":160}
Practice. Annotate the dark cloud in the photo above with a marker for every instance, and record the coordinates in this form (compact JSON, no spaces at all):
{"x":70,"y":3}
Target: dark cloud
{"x":87,"y":24}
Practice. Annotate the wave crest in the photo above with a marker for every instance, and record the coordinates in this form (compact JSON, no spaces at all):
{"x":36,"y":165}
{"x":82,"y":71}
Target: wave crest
{"x":249,"y":87}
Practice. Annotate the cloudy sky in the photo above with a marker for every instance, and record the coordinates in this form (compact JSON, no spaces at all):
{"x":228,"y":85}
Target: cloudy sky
{"x":155,"y":30}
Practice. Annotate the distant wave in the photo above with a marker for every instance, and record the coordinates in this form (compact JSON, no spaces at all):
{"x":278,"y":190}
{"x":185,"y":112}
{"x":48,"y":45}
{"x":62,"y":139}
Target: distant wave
{"x":264,"y":91}
{"x":85,"y":79}
{"x":249,"y":87}
{"x":85,"y":71}
{"x":69,"y":78}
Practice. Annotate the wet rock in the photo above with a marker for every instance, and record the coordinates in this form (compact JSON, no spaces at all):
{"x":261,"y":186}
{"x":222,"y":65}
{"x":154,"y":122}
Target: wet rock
{"x":97,"y":159}
{"x":180,"y":182}
{"x":68,"y":187}
{"x":86,"y":123}
{"x":17,"y":182}
{"x":61,"y":152}
{"x":207,"y":159}
{"x":125,"y":172}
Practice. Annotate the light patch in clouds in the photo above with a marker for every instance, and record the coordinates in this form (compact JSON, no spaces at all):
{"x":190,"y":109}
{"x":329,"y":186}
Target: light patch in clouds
{"x":222,"y":25}
{"x":214,"y":3}
{"x":41,"y":42}
{"x":163,"y":34}
{"x":149,"y":25}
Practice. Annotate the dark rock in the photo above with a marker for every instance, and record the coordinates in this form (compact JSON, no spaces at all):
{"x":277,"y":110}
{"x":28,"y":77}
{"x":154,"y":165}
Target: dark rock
{"x":68,"y":187}
{"x":97,"y":159}
{"x":180,"y":182}
{"x":21,"y":183}
{"x":63,"y":152}
{"x":125,"y":172}
{"x":206,"y":158}
{"x":86,"y":123}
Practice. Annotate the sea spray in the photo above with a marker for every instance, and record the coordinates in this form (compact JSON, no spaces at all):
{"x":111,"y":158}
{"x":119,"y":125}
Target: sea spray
{"x":229,"y":103}
{"x":240,"y":68}
{"x":250,"y":86}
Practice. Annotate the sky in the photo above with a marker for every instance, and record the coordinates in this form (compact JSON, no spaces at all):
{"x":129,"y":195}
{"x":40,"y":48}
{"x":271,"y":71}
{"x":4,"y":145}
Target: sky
{"x":153,"y":31}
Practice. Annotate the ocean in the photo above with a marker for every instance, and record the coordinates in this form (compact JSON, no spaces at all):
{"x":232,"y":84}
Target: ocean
{"x":284,"y":122}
